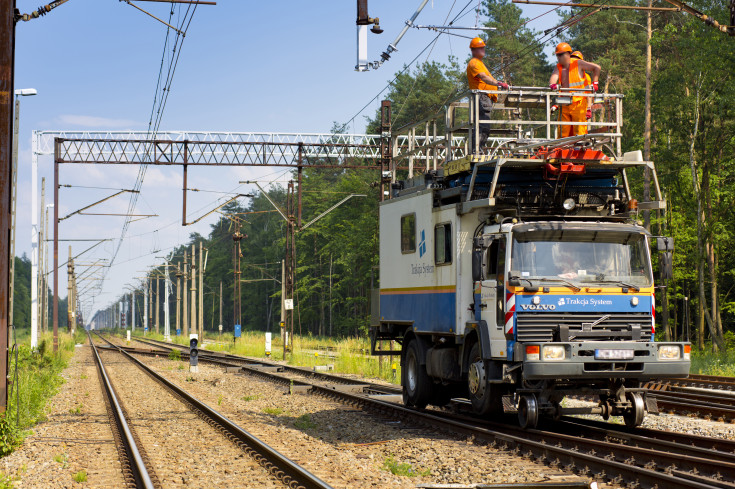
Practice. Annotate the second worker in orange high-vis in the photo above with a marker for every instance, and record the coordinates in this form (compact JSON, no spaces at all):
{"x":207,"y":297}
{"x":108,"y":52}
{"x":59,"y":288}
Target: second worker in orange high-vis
{"x":587,"y":83}
{"x":570,"y":73}
{"x":479,"y":78}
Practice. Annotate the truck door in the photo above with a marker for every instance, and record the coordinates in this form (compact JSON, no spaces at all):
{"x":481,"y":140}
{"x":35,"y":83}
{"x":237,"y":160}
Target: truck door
{"x":492,"y":297}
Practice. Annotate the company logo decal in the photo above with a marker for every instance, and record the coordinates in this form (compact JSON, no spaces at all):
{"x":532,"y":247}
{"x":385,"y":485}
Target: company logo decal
{"x":422,"y":244}
{"x":539,"y":307}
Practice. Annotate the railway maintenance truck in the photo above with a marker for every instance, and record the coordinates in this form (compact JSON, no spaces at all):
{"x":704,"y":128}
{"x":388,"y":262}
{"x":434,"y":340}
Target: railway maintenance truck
{"x":518,"y":274}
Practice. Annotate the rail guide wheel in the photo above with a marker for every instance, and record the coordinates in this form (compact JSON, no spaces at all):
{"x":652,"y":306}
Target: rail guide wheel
{"x":634,"y":416}
{"x":528,"y":411}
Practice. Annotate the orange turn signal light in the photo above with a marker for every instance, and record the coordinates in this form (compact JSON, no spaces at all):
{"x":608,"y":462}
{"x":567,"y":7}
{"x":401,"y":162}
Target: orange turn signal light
{"x":687,"y":348}
{"x":530,"y":349}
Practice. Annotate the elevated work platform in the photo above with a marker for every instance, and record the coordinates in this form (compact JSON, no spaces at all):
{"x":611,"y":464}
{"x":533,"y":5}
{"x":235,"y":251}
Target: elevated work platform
{"x":523,"y":169}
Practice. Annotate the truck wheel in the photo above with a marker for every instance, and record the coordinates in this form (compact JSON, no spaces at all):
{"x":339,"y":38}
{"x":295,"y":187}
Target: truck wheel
{"x":416,"y":382}
{"x":485,"y":398}
{"x":634,"y":417}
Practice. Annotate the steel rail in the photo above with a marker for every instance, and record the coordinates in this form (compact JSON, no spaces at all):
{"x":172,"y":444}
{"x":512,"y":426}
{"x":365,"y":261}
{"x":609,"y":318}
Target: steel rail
{"x":139,"y":471}
{"x":617,"y":463}
{"x":278,"y":464}
{"x":240,"y":360}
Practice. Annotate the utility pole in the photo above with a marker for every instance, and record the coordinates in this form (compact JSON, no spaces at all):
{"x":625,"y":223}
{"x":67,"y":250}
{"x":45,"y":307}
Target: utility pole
{"x":237,"y":284}
{"x":145,"y":307}
{"x":69,"y":298}
{"x":178,"y":300}
{"x":7,"y":76}
{"x":220,"y":306}
{"x":166,"y":312}
{"x":39,"y":286}
{"x":132,"y":308}
{"x":158,"y":303}
{"x":194,"y":328}
{"x":283,"y":306}
{"x":201,"y":292}
{"x":150,"y":301}
{"x":185,"y":315}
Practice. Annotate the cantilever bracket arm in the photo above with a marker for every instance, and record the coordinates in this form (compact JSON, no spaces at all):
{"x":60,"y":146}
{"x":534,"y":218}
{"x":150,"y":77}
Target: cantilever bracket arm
{"x":79,"y":211}
{"x":215,"y":209}
{"x":265,"y":194}
{"x":330,"y":210}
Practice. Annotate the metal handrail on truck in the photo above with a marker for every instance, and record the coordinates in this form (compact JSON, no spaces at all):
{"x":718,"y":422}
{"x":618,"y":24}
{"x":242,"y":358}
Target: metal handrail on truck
{"x":530,"y":122}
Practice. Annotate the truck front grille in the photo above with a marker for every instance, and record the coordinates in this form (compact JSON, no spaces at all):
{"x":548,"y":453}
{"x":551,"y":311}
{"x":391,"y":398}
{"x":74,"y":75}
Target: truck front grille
{"x":546,"y":327}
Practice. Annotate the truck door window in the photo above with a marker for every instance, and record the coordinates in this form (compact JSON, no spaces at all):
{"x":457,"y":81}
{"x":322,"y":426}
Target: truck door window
{"x":408,"y":233}
{"x":496,"y":260}
{"x":443,"y":244}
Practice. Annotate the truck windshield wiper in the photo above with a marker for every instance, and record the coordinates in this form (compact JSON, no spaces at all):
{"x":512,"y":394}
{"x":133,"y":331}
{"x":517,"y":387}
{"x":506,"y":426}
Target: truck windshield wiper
{"x":569,"y":284}
{"x":622,"y":284}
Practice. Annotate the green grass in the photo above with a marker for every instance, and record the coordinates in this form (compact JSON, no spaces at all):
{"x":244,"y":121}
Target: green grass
{"x":394,"y":467}
{"x":62,"y":459}
{"x":80,"y":476}
{"x":304,"y":422}
{"x":708,"y":363}
{"x":348,"y":355}
{"x":174,"y":355}
{"x":39,"y":379}
{"x":6,"y":482}
{"x":273,"y":411}
{"x":250,"y":398}
{"x":77,"y":409}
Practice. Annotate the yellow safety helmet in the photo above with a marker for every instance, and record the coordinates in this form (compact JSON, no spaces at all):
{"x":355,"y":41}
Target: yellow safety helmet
{"x":578,"y":55}
{"x":477,"y":43}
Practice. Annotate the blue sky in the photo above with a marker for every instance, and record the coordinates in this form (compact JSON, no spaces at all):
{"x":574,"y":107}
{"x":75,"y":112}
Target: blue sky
{"x":245,"y":66}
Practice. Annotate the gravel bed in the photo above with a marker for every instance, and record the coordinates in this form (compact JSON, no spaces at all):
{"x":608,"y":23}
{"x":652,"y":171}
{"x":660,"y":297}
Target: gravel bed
{"x":76,"y":436}
{"x":184,"y":450}
{"x":347,"y":447}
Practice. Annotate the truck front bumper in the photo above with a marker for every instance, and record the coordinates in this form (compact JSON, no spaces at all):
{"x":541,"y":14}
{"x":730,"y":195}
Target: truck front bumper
{"x":580,"y":362}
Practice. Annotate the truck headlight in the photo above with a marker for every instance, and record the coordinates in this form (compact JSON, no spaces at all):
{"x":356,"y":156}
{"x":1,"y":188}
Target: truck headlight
{"x":669,"y":352}
{"x":553,"y":352}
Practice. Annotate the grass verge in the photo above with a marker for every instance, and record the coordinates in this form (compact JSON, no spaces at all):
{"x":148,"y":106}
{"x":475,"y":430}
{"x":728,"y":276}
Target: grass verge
{"x":38,"y":379}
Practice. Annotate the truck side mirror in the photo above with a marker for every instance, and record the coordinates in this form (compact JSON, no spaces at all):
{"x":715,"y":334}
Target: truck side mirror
{"x":478,"y":265}
{"x":666,"y":266}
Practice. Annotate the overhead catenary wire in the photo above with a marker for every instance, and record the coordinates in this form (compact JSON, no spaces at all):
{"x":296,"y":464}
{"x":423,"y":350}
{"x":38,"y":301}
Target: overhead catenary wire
{"x":159,"y":105}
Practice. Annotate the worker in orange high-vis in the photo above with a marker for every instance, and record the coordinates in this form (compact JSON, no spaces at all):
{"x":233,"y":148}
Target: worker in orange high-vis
{"x":479,"y":78}
{"x":569,"y":73}
{"x":587,"y":84}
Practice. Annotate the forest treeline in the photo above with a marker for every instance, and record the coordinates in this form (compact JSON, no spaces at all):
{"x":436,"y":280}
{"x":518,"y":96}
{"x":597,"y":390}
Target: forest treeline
{"x":692,"y":100}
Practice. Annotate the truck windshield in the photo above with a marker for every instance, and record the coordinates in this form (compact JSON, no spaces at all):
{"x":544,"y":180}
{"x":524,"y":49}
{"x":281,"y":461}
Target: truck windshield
{"x":582,"y":256}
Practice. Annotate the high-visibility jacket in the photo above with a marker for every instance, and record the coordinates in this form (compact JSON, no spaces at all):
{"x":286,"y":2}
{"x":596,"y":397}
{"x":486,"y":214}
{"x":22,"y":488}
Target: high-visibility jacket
{"x":575,"y":81}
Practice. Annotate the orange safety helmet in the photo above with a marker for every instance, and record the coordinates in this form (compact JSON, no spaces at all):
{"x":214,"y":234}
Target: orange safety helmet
{"x":477,"y":43}
{"x":563,"y":47}
{"x":578,"y":55}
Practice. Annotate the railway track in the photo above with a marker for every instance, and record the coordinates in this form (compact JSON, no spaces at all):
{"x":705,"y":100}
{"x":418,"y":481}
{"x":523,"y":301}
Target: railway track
{"x":670,"y":396}
{"x":644,"y":458}
{"x":277,"y":465}
{"x":135,"y":468}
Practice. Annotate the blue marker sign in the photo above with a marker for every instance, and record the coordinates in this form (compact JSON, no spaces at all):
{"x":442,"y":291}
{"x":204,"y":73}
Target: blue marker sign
{"x":238,"y":330}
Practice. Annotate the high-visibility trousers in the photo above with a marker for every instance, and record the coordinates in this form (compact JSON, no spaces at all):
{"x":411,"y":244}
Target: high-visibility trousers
{"x":574,"y":112}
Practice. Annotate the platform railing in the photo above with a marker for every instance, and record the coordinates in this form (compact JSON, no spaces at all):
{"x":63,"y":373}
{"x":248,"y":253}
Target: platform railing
{"x":526,"y":120}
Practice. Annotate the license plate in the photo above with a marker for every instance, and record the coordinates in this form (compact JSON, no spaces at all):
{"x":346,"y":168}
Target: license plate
{"x":614,"y":354}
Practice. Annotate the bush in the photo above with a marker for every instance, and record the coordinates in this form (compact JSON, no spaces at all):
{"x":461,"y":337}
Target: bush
{"x":9,"y":438}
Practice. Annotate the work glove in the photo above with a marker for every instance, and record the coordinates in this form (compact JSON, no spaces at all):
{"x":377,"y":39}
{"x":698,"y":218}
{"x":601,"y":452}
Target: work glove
{"x":595,"y":86}
{"x":554,"y":86}
{"x":589,"y":114}
{"x":503,"y":85}
{"x":554,"y":108}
